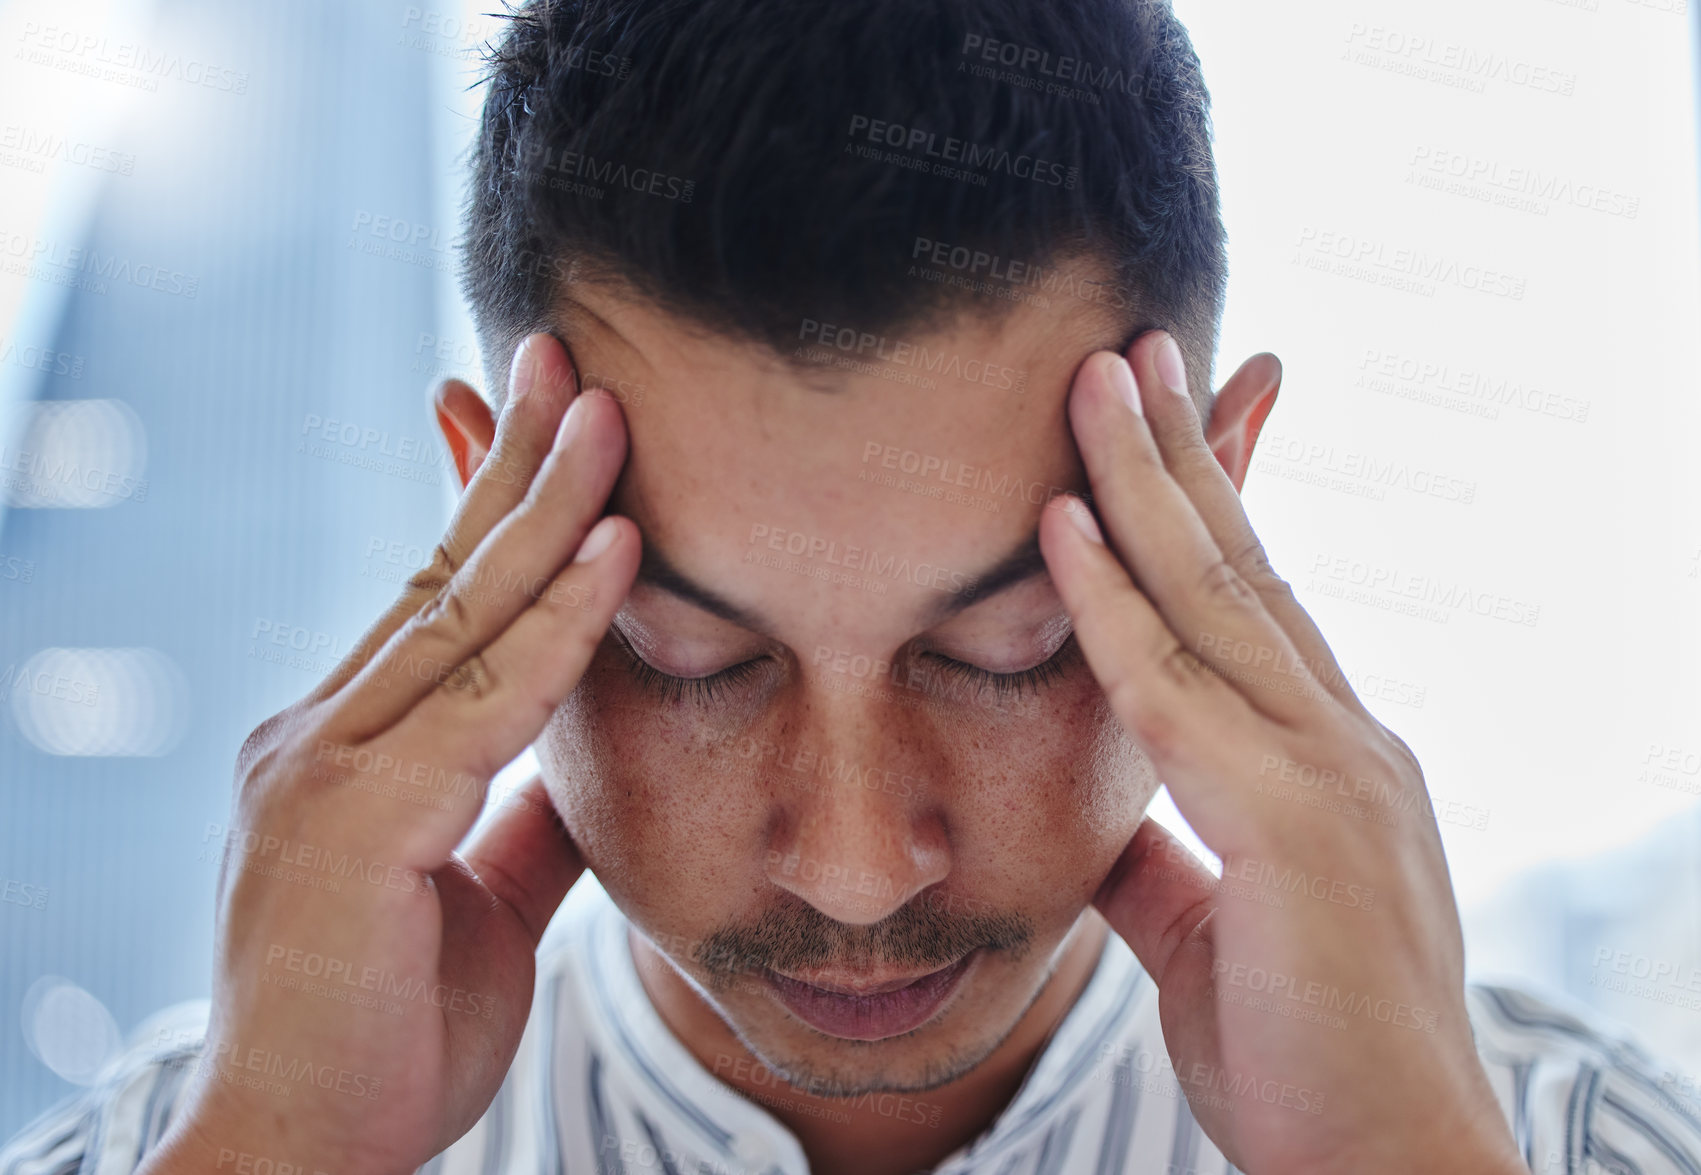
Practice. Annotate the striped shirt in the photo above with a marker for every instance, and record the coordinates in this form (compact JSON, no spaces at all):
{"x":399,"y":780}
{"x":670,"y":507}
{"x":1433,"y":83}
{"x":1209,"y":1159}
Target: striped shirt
{"x":600,"y":1086}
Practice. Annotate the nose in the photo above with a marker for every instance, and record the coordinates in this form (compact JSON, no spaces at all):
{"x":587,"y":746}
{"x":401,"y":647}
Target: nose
{"x":860,"y":831}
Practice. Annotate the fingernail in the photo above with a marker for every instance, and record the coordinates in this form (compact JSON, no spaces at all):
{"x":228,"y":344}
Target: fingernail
{"x":523,"y":373}
{"x":1122,"y":379}
{"x":1083,"y":519}
{"x":598,"y":541}
{"x":1171,"y":370}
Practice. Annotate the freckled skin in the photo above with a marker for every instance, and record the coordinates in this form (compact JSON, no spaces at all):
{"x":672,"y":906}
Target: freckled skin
{"x":681,"y":807}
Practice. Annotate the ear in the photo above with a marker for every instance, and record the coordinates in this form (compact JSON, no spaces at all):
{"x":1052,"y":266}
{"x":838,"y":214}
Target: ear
{"x":467,"y":425}
{"x":1238,"y":412}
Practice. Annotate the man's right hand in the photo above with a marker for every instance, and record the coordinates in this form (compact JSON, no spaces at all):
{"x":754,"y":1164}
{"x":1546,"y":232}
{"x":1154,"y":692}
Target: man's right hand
{"x":372,"y":984}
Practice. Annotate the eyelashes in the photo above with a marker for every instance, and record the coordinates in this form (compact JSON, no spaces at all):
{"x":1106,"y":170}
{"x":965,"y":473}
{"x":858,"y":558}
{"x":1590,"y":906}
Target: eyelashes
{"x":1012,"y":684}
{"x":667,"y":687}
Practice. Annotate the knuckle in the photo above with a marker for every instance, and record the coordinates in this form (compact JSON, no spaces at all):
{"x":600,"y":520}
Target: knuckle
{"x":472,"y":679}
{"x":435,"y":575}
{"x":1408,"y":760}
{"x":1275,"y":587}
{"x":1181,"y":668}
{"x":446,"y":614}
{"x":278,"y":767}
{"x":261,"y":741}
{"x":266,"y":745}
{"x":254,"y":772}
{"x":1253,"y":563}
{"x":1221,"y":584}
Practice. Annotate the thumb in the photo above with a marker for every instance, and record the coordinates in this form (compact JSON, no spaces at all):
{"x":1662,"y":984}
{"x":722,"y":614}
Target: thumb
{"x":526,"y":857}
{"x":1160,"y":899}
{"x":1155,"y":896}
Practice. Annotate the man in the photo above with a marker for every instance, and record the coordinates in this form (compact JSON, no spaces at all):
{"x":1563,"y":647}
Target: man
{"x":842,"y":314}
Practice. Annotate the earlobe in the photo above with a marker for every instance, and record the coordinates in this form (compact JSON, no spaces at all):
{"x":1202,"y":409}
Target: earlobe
{"x":468,"y":427}
{"x":1239,"y":411}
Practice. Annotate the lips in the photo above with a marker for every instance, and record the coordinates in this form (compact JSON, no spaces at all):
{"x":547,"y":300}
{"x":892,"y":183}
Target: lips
{"x":858,"y":985}
{"x":863,"y":1008}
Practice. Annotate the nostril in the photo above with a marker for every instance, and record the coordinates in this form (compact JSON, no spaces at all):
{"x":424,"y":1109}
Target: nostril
{"x":857,"y":881}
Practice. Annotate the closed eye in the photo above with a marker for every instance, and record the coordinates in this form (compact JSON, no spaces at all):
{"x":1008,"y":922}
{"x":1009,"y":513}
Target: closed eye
{"x":1013,"y":684}
{"x":704,"y":690}
{"x":668,"y":687}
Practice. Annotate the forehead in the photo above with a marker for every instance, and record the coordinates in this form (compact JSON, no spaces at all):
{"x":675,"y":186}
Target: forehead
{"x":867,"y":478}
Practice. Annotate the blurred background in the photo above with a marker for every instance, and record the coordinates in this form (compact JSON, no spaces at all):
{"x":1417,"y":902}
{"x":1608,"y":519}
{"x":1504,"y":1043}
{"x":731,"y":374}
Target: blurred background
{"x":227,"y":247}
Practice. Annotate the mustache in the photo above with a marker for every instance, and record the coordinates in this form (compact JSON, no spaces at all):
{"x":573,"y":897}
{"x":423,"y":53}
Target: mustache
{"x":924,"y":934}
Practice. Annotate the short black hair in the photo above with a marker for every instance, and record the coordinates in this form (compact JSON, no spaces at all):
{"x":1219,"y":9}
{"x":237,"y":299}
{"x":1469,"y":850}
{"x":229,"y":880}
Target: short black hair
{"x":750,"y":164}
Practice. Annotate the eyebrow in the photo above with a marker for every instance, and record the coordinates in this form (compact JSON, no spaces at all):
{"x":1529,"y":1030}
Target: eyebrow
{"x":1019,"y":565}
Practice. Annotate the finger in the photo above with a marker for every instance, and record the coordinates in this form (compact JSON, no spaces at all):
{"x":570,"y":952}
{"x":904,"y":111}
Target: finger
{"x":507,"y":574}
{"x":1174,"y":421}
{"x":1159,"y":535}
{"x":541,"y":385}
{"x":526,"y":858}
{"x":417,"y":788}
{"x":1196,"y":728}
{"x":500,"y":701}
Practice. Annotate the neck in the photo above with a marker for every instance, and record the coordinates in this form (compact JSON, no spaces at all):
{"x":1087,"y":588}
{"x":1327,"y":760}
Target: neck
{"x":881,"y":1134}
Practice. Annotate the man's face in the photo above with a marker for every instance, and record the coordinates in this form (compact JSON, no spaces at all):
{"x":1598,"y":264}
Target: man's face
{"x":896,"y":763}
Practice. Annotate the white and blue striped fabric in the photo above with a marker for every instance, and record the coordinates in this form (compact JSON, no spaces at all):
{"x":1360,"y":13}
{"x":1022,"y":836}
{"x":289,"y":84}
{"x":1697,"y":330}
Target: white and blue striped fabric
{"x":600,"y":1085}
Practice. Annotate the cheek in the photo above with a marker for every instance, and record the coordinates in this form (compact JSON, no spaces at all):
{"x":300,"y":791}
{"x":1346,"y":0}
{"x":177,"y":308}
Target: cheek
{"x":1042,"y":812}
{"x":661,"y":814}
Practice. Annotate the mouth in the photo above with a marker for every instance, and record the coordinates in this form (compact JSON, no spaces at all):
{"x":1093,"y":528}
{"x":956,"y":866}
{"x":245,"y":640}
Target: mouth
{"x":867,"y":1008}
